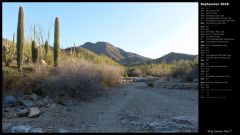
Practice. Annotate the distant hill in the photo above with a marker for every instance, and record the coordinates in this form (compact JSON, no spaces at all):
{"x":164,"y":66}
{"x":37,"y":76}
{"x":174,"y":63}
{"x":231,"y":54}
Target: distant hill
{"x":171,"y":57}
{"x":117,"y":54}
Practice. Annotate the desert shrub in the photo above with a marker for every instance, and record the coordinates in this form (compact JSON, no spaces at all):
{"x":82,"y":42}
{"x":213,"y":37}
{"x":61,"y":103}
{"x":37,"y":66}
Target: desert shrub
{"x":150,"y":70}
{"x":137,"y":72}
{"x":71,"y":78}
{"x":25,"y":81}
{"x":8,"y":52}
{"x":10,"y":78}
{"x":180,"y":69}
{"x":187,"y":71}
{"x":158,"y":69}
{"x":191,"y":75}
{"x":111,"y":75}
{"x":79,"y":78}
{"x":49,"y":57}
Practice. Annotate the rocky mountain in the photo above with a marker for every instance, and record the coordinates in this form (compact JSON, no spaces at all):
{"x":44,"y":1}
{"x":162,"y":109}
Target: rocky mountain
{"x":171,"y":57}
{"x":117,"y":54}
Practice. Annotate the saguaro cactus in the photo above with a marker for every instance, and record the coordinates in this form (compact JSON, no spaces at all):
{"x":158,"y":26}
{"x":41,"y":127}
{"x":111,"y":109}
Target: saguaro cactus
{"x":13,"y":37}
{"x":20,"y":38}
{"x":56,"y":42}
{"x":35,"y":54}
{"x":46,"y":46}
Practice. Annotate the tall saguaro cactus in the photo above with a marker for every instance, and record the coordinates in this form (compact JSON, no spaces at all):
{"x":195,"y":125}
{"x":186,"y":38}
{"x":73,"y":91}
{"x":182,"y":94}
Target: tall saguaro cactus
{"x":56,"y":42}
{"x":35,"y":55}
{"x":46,"y":46}
{"x":13,"y":37}
{"x":20,"y":38}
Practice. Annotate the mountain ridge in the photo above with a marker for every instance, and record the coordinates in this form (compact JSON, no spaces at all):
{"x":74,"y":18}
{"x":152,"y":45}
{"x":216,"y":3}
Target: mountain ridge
{"x":171,"y":57}
{"x":116,"y":53}
{"x":129,"y":58}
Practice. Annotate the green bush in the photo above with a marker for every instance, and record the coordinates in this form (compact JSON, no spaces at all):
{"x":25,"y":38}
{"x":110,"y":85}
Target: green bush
{"x":8,"y":52}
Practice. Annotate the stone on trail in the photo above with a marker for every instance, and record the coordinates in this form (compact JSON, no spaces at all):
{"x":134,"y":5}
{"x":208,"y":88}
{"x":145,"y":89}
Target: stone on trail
{"x":5,"y":127}
{"x":20,"y":129}
{"x":9,"y":100}
{"x":63,"y":131}
{"x":34,"y":112}
{"x":22,"y":112}
{"x":27,"y":103}
{"x":37,"y":130}
{"x":34,"y":97}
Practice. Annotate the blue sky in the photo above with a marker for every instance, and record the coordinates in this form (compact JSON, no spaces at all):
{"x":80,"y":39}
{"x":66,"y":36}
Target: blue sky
{"x":148,"y":29}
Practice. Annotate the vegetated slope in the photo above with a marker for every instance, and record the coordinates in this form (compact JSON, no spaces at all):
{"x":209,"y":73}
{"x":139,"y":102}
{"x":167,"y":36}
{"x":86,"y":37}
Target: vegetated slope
{"x":117,"y":54}
{"x":88,"y":55}
{"x":172,"y":57}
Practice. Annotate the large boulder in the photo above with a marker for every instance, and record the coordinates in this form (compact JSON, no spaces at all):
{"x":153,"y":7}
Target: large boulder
{"x":34,"y":112}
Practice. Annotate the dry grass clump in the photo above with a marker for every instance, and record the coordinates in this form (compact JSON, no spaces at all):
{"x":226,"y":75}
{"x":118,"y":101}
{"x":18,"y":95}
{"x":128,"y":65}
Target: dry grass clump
{"x":156,"y":70}
{"x":110,"y":75}
{"x":80,"y":79}
{"x":25,"y":81}
{"x":187,"y":71}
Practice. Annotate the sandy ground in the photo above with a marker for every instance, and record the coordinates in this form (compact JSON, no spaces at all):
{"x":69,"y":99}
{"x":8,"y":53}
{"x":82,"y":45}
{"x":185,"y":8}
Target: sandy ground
{"x":132,"y":107}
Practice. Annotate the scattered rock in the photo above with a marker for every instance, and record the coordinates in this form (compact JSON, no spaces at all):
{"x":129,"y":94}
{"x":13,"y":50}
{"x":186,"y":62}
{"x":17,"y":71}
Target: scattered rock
{"x":34,"y":112}
{"x":51,"y":105}
{"x":160,"y":127}
{"x":183,"y":119}
{"x":11,"y":114}
{"x":26,"y":103}
{"x":22,"y":112}
{"x":9,"y":100}
{"x":20,"y":129}
{"x":6,"y":127}
{"x":37,"y":130}
{"x":42,"y":102}
{"x":63,"y":131}
{"x":34,"y":97}
{"x":123,"y":121}
{"x":183,"y":122}
{"x":180,"y":85}
{"x":68,"y":103}
{"x":177,"y":86}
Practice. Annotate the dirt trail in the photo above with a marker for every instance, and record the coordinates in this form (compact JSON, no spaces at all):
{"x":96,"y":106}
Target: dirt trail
{"x":132,"y":107}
